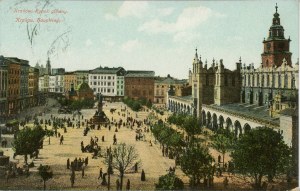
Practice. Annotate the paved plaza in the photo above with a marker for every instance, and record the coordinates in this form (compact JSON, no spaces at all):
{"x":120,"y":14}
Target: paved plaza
{"x":56,"y":155}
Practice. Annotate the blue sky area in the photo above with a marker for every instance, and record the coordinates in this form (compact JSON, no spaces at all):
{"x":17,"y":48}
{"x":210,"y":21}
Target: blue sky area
{"x":146,"y":35}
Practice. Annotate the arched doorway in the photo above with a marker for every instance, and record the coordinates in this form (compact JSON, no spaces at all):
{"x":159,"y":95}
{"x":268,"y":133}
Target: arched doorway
{"x":215,"y":122}
{"x":203,"y":118}
{"x":247,"y":128}
{"x":221,"y":122}
{"x":237,"y":129}
{"x":229,"y":124}
{"x":208,"y":124}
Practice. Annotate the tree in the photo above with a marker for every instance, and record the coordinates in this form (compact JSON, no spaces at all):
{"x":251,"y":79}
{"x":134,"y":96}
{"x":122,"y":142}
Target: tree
{"x":197,"y":163}
{"x":222,"y":144}
{"x":46,"y":173}
{"x":260,"y":152}
{"x":169,"y":182}
{"x":122,"y":157}
{"x":28,"y":141}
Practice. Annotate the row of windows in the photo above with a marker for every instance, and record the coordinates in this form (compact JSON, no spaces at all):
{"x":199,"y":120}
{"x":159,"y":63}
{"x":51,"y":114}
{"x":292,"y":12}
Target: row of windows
{"x":267,"y":82}
{"x":103,"y":77}
{"x":103,"y":83}
{"x":104,"y":90}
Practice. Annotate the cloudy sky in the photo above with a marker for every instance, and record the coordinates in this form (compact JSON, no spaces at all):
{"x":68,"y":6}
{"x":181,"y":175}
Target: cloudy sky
{"x":145,"y":35}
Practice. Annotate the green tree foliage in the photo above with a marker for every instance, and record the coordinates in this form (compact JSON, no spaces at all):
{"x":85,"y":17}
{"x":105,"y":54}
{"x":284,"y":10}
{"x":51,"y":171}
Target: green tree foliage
{"x":191,"y":125}
{"x":122,"y":158}
{"x":28,"y":141}
{"x":222,"y":143}
{"x":169,"y":182}
{"x":197,"y":164}
{"x":167,"y":136}
{"x":46,"y":173}
{"x":261,"y":153}
{"x":177,"y":119}
{"x":135,"y":105}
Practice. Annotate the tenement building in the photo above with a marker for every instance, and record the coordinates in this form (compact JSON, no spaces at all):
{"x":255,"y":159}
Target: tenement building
{"x":108,"y":81}
{"x":140,"y":84}
{"x":161,"y":87}
{"x":3,"y":89}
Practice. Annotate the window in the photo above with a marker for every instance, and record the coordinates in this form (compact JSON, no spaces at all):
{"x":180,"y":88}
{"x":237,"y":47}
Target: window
{"x":108,"y":83}
{"x":285,"y":81}
{"x":108,"y":90}
{"x":95,"y":77}
{"x":95,"y":83}
{"x":293,"y":82}
{"x":262,"y":80}
{"x":268,"y":83}
{"x":108,"y":77}
{"x":273,"y":80}
{"x":279,"y":80}
{"x":257,"y":80}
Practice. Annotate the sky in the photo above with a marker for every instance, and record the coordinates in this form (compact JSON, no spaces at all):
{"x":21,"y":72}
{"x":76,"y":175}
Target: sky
{"x":142,"y":35}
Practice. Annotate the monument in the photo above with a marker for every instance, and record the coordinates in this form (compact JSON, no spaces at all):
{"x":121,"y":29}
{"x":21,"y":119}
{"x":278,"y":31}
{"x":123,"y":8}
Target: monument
{"x":100,"y":117}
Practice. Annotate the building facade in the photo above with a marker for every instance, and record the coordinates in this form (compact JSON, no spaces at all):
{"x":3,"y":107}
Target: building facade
{"x":81,"y":76}
{"x":69,"y":79}
{"x":3,"y":89}
{"x":161,"y":87}
{"x":107,"y":81}
{"x":24,"y":95}
{"x":140,"y":85}
{"x":33,"y":86}
{"x":58,"y":71}
{"x":13,"y":98}
{"x":214,"y":85}
{"x":275,"y":83}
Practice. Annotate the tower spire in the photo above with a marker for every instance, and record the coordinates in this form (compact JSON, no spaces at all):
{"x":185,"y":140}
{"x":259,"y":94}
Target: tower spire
{"x":276,"y":7}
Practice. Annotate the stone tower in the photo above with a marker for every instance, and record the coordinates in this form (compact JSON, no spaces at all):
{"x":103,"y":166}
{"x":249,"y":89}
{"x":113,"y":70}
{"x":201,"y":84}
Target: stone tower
{"x":276,"y":47}
{"x":197,"y":89}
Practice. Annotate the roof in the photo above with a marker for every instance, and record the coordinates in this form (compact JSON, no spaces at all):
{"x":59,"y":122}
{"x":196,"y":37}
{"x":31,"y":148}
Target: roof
{"x":170,"y":80}
{"x":106,"y":70}
{"x":289,"y":112}
{"x":81,"y":71}
{"x":140,"y":73}
{"x":83,"y":86}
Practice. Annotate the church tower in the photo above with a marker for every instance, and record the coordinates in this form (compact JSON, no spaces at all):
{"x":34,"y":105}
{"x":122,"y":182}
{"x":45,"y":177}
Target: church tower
{"x":276,"y":47}
{"x":48,"y":67}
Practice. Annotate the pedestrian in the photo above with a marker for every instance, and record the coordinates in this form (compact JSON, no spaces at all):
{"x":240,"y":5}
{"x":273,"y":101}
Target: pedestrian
{"x":128,"y":185}
{"x":61,"y":140}
{"x":219,"y":159}
{"x":136,"y":167}
{"x":72,"y":178}
{"x":86,"y":161}
{"x":68,"y":163}
{"x":225,"y":182}
{"x":118,"y":184}
{"x":100,"y":173}
{"x":143,"y":176}
{"x":82,"y":172}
